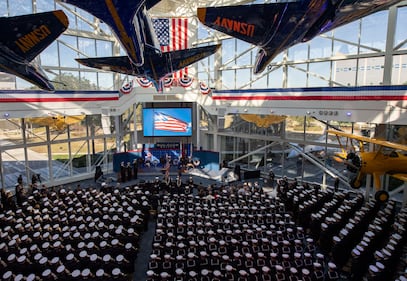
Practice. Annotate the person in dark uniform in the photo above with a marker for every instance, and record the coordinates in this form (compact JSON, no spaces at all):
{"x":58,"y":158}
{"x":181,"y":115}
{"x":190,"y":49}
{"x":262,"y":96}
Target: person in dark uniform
{"x":20,"y":179}
{"x":20,"y":194}
{"x":34,"y":179}
{"x":336,"y":184}
{"x":98,"y":172}
{"x":237,"y":172}
{"x":180,"y":168}
{"x":271,"y":178}
{"x":135,"y":168}
{"x":129,"y":170}
{"x":122,"y":172}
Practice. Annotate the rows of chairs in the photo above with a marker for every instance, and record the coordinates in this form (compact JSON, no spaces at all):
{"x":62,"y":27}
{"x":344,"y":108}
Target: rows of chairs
{"x":233,"y":237}
{"x":302,"y":234}
{"x":364,"y":239}
{"x":73,"y":235}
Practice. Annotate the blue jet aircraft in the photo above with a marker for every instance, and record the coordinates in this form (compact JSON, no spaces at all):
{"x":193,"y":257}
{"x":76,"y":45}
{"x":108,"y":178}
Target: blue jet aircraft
{"x":275,"y":27}
{"x":132,"y":25}
{"x":22,"y":38}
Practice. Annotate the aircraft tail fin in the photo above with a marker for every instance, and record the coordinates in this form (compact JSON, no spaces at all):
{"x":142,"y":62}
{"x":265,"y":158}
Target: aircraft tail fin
{"x":262,"y":60}
{"x":120,"y":64}
{"x":182,"y":58}
{"x":29,"y":35}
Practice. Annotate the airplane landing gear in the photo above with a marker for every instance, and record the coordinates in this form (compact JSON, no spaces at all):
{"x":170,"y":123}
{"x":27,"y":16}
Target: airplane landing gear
{"x":355,"y":182}
{"x":382,"y":196}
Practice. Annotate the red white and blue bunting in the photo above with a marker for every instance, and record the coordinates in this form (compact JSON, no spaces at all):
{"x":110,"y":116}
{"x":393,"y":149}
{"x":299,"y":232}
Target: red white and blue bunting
{"x":127,"y":88}
{"x":185,"y":81}
{"x":144,"y":82}
{"x":204,"y":88}
{"x":168,"y":82}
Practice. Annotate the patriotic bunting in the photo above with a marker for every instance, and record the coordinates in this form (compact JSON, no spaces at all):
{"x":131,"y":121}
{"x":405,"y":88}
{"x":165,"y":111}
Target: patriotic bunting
{"x":204,"y":88}
{"x":168,"y":82}
{"x":144,"y":82}
{"x":127,"y":88}
{"x":185,"y":81}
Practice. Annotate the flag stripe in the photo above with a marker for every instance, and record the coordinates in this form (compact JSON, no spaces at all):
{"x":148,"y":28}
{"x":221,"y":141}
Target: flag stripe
{"x":176,"y":37}
{"x":185,"y":70}
{"x":168,"y":123}
{"x":173,"y":35}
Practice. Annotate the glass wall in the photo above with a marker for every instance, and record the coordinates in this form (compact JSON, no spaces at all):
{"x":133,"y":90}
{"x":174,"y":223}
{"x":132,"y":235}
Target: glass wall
{"x":284,"y":146}
{"x":57,"y":148}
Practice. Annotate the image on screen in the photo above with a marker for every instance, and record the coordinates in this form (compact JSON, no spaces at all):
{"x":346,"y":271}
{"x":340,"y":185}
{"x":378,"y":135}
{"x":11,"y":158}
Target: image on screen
{"x":173,"y":122}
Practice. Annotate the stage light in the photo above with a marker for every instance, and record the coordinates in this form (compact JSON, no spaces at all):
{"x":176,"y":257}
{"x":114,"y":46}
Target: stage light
{"x":349,"y":114}
{"x":6,"y":115}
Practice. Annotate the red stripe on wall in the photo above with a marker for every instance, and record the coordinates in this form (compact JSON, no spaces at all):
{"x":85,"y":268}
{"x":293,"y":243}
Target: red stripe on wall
{"x":311,"y":98}
{"x":10,"y":100}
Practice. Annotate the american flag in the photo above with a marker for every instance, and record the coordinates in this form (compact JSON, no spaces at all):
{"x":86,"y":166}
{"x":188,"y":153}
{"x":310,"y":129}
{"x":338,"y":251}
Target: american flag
{"x":172,"y":35}
{"x":168,"y":123}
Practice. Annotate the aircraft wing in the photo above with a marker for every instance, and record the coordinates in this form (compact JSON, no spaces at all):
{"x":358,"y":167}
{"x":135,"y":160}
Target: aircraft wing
{"x":28,"y":35}
{"x":182,"y":58}
{"x":70,"y":120}
{"x":255,"y":24}
{"x":120,"y":17}
{"x":348,"y":11}
{"x":157,"y":68}
{"x":365,"y":139}
{"x":118,"y":64}
{"x":58,"y":122}
{"x":400,"y":176}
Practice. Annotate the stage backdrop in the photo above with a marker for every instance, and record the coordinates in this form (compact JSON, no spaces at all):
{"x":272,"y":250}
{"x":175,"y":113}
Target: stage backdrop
{"x":208,"y":160}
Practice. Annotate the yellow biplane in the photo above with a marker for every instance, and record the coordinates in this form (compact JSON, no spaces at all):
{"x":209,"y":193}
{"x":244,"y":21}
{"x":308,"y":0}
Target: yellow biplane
{"x":389,"y":158}
{"x":58,"y":122}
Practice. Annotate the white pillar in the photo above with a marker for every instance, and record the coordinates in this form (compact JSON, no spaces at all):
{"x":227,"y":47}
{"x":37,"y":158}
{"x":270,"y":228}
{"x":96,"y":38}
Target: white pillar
{"x":135,"y":139}
{"x":118,"y":133}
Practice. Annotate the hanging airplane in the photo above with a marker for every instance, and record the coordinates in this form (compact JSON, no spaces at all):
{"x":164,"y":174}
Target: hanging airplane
{"x":57,"y":122}
{"x":274,"y":27}
{"x":23,"y":38}
{"x":132,"y":25}
{"x":390,"y":158}
{"x":318,"y":150}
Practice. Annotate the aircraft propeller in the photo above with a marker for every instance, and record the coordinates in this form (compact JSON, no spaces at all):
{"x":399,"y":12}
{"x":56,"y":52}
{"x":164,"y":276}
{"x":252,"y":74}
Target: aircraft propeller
{"x":353,"y":163}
